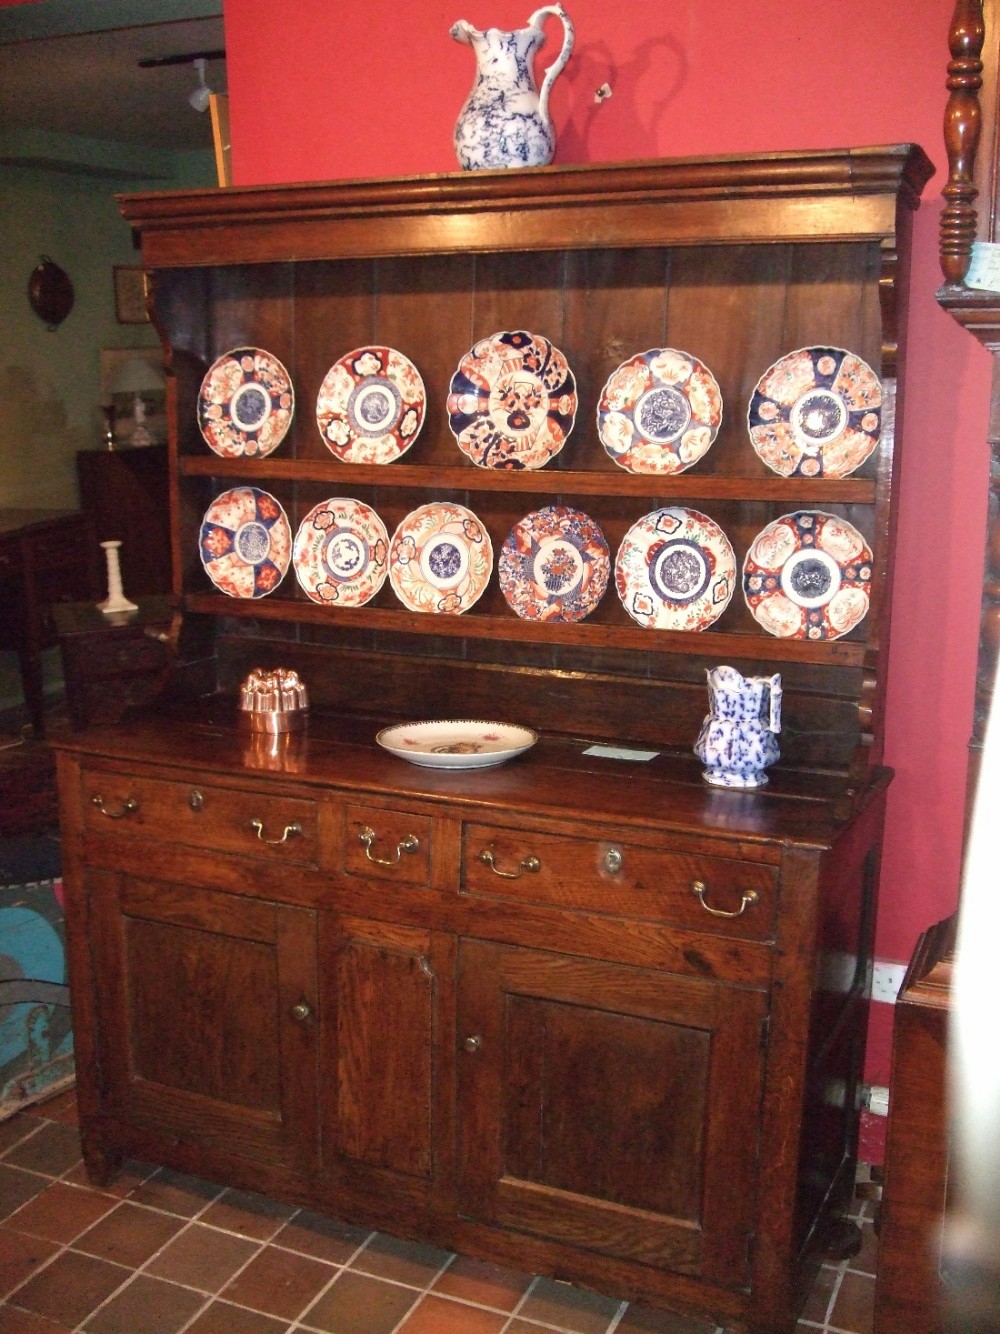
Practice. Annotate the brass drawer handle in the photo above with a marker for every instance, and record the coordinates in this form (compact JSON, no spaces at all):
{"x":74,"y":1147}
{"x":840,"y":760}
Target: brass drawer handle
{"x":409,"y":843}
{"x":531,"y":864}
{"x":699,"y":890}
{"x":128,"y":807}
{"x":289,"y":831}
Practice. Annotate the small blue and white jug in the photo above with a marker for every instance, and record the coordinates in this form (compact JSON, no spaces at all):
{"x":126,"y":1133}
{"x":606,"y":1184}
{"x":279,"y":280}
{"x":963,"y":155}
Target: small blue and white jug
{"x":505,"y":121}
{"x":736,"y":742}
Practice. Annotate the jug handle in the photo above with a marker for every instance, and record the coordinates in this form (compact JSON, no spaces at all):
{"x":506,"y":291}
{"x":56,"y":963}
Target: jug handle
{"x":775,"y":692}
{"x":557,"y":66}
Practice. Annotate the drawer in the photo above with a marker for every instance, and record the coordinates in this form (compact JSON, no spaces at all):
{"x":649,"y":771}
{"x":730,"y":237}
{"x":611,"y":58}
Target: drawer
{"x":390,"y":845}
{"x":717,"y":894}
{"x":222,"y":819}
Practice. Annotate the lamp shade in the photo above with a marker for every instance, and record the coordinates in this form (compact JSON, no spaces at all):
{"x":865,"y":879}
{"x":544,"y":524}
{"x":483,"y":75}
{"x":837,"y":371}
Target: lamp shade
{"x":137,"y":377}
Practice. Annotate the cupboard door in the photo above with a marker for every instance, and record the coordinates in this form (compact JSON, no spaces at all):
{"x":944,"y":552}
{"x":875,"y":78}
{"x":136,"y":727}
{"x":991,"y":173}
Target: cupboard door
{"x":610,"y":1107}
{"x":207,"y":1016}
{"x":383,"y":995}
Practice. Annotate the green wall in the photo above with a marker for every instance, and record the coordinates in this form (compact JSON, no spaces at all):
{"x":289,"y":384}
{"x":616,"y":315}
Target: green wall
{"x":50,"y":380}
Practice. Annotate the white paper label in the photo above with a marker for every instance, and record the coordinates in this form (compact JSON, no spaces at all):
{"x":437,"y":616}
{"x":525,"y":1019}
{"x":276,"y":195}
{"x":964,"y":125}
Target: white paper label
{"x":621,"y":753}
{"x":984,"y":268}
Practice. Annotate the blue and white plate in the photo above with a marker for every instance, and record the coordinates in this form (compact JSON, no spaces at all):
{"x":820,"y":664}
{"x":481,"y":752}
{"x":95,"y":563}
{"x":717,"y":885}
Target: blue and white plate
{"x":371,"y":405}
{"x":440,"y":559}
{"x":512,"y":401}
{"x":245,"y":404}
{"x":675,"y":570}
{"x":659,"y":412}
{"x":245,"y":542}
{"x":817,"y":412}
{"x":554,"y":565}
{"x":808,"y":575}
{"x":341,"y":553}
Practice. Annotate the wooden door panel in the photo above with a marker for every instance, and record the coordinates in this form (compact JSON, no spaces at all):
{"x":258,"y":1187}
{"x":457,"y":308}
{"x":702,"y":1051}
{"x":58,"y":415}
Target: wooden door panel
{"x":571,"y":1073}
{"x":207,"y":1022}
{"x":220,"y":994}
{"x":383,"y":986}
{"x":610,"y":1107}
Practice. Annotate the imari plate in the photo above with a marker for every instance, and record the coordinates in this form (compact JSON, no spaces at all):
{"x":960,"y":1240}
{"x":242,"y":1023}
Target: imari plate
{"x":371,"y":405}
{"x":512,"y":401}
{"x":816,"y":412}
{"x":554,"y":565}
{"x":245,"y":404}
{"x":440,"y":559}
{"x":341,"y":553}
{"x":459,"y":744}
{"x":808,"y":576}
{"x":659,"y":412}
{"x":675,"y":570}
{"x":245,"y":542}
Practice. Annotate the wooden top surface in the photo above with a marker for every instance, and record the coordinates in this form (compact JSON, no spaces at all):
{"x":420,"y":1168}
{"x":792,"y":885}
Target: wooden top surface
{"x":834,"y":194}
{"x":555,"y":779}
{"x":13,"y":521}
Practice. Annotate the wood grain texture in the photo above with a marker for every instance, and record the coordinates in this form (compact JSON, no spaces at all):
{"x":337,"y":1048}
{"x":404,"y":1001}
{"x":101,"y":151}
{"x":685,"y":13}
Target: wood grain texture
{"x":909,"y":1292}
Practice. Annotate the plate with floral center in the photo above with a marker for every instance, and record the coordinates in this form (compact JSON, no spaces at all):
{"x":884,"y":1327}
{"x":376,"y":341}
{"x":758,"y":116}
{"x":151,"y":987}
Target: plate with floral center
{"x":675,"y":570}
{"x":458,"y":744}
{"x":440,"y":559}
{"x":808,"y":576}
{"x":341,"y":553}
{"x":245,"y":542}
{"x":245,"y":404}
{"x":816,"y":412}
{"x":371,"y":405}
{"x":512,"y":401}
{"x":659,"y":412}
{"x":554,"y":565}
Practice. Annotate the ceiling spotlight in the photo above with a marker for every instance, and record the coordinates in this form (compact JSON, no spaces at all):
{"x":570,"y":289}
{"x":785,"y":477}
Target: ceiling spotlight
{"x":199,"y":98}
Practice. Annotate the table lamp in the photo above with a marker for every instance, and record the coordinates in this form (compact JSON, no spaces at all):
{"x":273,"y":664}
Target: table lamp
{"x":138,"y":377}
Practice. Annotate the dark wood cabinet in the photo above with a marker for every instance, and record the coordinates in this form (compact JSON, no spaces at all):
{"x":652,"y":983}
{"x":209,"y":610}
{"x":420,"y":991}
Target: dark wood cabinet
{"x":911,"y":1290}
{"x":46,"y":557}
{"x":610,"y":1107}
{"x":125,"y":493}
{"x":235,"y":981}
{"x":581,"y":1013}
{"x":383,"y":1021}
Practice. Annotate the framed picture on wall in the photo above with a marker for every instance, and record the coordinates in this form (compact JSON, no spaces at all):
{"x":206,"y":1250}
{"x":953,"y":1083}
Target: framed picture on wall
{"x":130,"y":294}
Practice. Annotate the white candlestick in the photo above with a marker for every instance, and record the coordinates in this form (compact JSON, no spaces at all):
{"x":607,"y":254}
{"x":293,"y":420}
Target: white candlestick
{"x":116,"y":599}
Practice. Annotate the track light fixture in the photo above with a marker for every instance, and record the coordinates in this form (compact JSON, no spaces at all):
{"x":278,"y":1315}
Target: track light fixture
{"x":199,"y":98}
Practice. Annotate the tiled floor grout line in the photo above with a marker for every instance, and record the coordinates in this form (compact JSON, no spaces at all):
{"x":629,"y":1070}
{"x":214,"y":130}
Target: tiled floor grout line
{"x":141,"y":1269}
{"x":862,"y":1214}
{"x":617,"y":1318}
{"x":132,"y":1271}
{"x":520,"y":1302}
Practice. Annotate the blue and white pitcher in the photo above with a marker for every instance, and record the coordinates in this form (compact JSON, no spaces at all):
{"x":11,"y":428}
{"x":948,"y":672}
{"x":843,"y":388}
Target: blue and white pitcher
{"x":736,"y":742}
{"x":505,"y":121}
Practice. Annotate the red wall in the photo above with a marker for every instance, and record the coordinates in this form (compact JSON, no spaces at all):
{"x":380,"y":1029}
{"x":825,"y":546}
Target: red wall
{"x":321,"y":91}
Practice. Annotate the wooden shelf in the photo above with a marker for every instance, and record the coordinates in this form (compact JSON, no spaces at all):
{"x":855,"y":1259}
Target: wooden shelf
{"x":588,"y":634}
{"x":794,"y":492}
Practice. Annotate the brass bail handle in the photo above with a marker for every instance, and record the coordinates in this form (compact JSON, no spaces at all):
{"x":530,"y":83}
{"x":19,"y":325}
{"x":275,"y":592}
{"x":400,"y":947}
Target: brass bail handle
{"x":128,"y":807}
{"x":409,"y":843}
{"x":530,"y":864}
{"x":699,"y":889}
{"x":289,"y":831}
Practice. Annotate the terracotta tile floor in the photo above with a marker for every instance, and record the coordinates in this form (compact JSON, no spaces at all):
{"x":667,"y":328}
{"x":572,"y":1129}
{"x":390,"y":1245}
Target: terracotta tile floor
{"x":161,"y":1253}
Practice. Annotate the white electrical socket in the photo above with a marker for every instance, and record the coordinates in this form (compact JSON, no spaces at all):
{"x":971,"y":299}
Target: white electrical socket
{"x":877,"y":1099}
{"x":887,"y":978}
